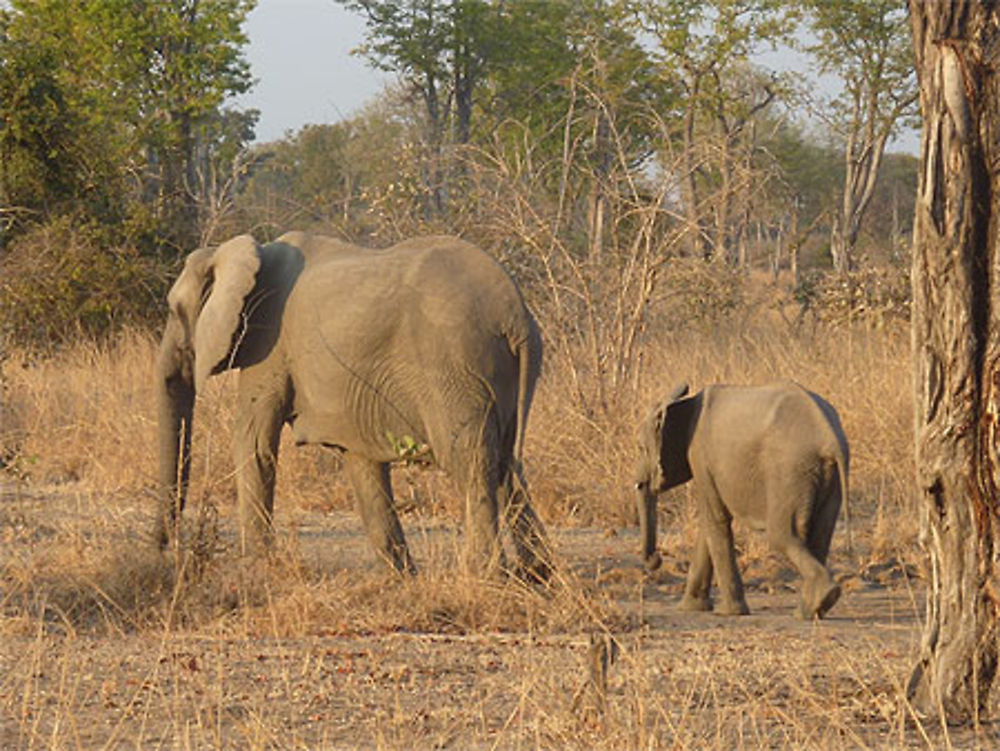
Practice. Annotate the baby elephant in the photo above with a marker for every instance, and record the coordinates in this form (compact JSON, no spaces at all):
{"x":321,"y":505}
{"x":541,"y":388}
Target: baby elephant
{"x":774,"y":457}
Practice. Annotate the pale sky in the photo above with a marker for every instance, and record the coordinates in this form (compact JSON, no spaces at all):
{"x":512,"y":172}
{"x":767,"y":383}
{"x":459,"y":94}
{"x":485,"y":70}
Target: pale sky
{"x":300,"y":55}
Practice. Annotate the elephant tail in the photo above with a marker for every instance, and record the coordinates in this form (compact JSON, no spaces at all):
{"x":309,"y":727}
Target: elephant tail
{"x":529,"y":358}
{"x":843,"y":459}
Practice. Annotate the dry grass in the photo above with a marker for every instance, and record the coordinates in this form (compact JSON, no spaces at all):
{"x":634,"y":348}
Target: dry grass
{"x":581,"y":463}
{"x":85,"y":418}
{"x":107,"y":643}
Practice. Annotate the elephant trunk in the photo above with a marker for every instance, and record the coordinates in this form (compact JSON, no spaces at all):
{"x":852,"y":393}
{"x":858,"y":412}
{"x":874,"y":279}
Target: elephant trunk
{"x":646,"y":500}
{"x":175,"y":406}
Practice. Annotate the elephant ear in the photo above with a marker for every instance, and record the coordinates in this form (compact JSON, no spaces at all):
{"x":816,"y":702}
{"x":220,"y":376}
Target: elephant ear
{"x":678,"y":391}
{"x":185,"y":296}
{"x":233,"y":268}
{"x":680,"y":414}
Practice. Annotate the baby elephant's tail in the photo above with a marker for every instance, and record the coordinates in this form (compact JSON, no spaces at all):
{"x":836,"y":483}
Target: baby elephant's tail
{"x":529,"y":363}
{"x":843,"y":461}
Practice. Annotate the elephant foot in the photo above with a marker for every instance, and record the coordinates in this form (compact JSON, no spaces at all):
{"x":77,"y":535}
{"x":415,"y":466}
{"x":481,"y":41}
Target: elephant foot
{"x":653,"y":561}
{"x":693,"y":604}
{"x":736,"y":607}
{"x":823,"y":603}
{"x":403,"y":566}
{"x":538,"y":572}
{"x":487,"y":566}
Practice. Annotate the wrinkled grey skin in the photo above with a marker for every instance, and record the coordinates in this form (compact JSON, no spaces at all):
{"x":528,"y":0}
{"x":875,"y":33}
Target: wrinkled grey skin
{"x":774,"y":457}
{"x":422,"y":350}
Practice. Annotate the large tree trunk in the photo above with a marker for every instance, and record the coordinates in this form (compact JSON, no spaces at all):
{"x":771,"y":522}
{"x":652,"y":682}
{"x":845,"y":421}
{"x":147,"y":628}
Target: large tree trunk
{"x":956,"y":344}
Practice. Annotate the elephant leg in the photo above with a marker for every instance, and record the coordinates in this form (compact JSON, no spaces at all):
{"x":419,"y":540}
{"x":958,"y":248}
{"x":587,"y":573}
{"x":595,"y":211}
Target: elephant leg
{"x":819,"y":590}
{"x":820,"y":532}
{"x":699,"y":579}
{"x":533,"y":552}
{"x":484,"y":554}
{"x":255,"y":456}
{"x":718,"y":532}
{"x":471,"y":458}
{"x":373,"y":495}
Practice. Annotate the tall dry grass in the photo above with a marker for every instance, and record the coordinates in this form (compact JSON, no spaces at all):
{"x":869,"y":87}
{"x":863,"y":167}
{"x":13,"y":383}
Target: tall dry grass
{"x":121,"y":645}
{"x":85,"y":419}
{"x":581,"y":462}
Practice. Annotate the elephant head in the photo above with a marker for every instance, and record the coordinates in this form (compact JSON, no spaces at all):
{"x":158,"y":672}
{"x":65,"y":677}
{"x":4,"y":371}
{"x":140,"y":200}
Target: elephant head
{"x":664,"y":438}
{"x":206,"y":333}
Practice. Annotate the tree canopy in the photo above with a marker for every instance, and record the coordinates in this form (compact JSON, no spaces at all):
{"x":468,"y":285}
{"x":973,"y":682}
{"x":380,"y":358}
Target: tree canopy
{"x":114,"y":109}
{"x":117,"y":116}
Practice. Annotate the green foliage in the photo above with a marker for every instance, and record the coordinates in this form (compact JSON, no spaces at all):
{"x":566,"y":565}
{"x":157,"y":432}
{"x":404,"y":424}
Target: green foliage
{"x":590,"y":143}
{"x":114,"y":108}
{"x":117,"y":151}
{"x":36,"y":126}
{"x":408,"y":449}
{"x":867,"y":43}
{"x":812,"y":172}
{"x":442,"y":49}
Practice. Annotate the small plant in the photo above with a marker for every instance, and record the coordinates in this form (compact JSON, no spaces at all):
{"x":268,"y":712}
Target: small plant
{"x":409,"y":450}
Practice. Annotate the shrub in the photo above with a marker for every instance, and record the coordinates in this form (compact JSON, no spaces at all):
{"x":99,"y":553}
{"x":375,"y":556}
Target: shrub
{"x":58,"y":282}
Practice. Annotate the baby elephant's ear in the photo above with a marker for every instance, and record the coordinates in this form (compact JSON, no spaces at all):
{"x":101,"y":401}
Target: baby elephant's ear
{"x":233,"y":270}
{"x":681,"y":414}
{"x":677,"y":392}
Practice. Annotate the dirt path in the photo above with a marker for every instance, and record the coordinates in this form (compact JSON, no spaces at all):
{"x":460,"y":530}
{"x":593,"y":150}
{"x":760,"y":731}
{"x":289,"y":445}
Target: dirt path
{"x":253,"y":678}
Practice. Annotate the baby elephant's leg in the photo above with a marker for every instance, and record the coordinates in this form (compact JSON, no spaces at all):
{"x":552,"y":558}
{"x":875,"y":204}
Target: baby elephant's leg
{"x":717,"y":525}
{"x":699,"y":578}
{"x":819,"y":590}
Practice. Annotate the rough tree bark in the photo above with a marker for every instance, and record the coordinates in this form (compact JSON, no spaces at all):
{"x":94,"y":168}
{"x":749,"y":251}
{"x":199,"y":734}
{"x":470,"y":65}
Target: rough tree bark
{"x":956,"y":346}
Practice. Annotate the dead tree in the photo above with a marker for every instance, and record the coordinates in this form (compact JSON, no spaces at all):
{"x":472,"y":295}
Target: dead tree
{"x":956,"y":342}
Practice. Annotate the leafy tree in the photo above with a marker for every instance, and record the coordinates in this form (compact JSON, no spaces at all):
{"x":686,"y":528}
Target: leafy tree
{"x":116,"y":149}
{"x":708,"y":46}
{"x":572,"y":73}
{"x":42,"y":159}
{"x":610,"y":117}
{"x":440,"y":49}
{"x":176,"y":63}
{"x":809,"y":181}
{"x":867,"y":44}
{"x":353,"y":178}
{"x":139,"y":87}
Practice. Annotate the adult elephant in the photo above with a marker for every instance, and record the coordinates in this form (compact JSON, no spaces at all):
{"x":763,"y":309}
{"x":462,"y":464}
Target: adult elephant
{"x":773,"y":456}
{"x":421,"y":350}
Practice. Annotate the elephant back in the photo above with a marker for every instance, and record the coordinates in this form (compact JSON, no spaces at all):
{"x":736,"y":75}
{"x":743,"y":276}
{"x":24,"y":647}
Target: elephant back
{"x":465,"y":278}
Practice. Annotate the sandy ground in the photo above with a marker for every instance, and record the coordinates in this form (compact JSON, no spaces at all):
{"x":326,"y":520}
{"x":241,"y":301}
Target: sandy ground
{"x":677,"y":680}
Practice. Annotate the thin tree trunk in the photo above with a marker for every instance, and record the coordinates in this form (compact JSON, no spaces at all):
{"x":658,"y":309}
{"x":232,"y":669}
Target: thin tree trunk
{"x":778,"y":247}
{"x":597,"y":200}
{"x":721,"y":243}
{"x":956,"y":342}
{"x":699,"y":248}
{"x":699,"y":244}
{"x":794,"y":245}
